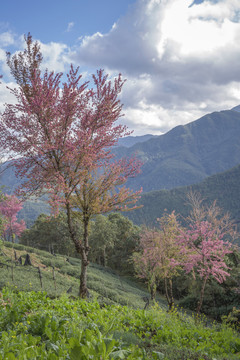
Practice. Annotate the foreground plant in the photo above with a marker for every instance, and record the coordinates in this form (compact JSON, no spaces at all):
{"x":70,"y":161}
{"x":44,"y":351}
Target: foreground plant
{"x":36,"y":327}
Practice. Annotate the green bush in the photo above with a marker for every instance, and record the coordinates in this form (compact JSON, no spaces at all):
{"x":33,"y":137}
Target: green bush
{"x":33,"y":326}
{"x":233,"y":319}
{"x":188,"y":302}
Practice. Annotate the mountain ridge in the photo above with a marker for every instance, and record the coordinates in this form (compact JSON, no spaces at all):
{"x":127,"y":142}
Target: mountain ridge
{"x":187,"y":153}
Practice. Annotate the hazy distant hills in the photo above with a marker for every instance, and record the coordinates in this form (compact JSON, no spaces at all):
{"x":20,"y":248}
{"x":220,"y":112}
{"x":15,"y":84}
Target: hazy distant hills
{"x":183,"y":156}
{"x":31,"y":208}
{"x":223,"y":187}
{"x":187,"y":154}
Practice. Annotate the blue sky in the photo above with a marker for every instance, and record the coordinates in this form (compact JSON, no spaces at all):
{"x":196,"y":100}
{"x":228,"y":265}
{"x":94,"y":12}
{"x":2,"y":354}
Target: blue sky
{"x":61,"y":20}
{"x":180,"y":58}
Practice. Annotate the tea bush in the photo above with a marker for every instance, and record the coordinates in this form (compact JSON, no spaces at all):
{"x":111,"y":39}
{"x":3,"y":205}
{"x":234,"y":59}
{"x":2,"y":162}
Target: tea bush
{"x":33,"y":326}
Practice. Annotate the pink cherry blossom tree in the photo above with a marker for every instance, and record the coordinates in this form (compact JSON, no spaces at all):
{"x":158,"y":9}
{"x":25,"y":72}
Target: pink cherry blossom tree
{"x":204,"y":244}
{"x":205,"y":251}
{"x":158,"y":248}
{"x":63,"y":132}
{"x":9,"y":208}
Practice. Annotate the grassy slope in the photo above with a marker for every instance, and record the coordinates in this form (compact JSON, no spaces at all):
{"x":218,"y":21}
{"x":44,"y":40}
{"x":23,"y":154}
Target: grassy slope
{"x":108,"y":286}
{"x":34,"y":326}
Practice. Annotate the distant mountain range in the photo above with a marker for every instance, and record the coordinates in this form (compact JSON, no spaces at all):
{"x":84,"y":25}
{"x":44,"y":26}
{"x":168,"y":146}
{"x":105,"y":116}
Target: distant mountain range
{"x":183,"y":156}
{"x":187,"y":154}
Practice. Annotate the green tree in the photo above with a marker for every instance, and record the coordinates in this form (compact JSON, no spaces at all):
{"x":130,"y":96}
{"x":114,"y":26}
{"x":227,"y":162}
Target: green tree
{"x":126,"y":242}
{"x":50,"y":233}
{"x":102,"y":239}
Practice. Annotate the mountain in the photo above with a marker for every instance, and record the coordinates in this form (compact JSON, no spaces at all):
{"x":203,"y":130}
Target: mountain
{"x":223,"y":187}
{"x":236,"y":108}
{"x":187,"y":154}
{"x":129,"y":141}
{"x":8,"y":179}
{"x":10,"y":182}
{"x":183,"y":156}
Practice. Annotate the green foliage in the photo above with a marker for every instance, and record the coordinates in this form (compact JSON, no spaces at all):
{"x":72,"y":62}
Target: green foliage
{"x":126,"y":241}
{"x":233,"y":318}
{"x":33,"y":326}
{"x":102,"y":239}
{"x":51,"y":233}
{"x":223,"y":187}
{"x":112,"y":240}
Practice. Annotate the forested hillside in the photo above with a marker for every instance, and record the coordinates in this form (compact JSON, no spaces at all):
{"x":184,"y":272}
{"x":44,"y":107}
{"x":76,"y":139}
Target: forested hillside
{"x":223,"y":187}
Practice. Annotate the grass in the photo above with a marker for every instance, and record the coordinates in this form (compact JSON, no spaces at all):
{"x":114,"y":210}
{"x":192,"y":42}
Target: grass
{"x":103,"y":283}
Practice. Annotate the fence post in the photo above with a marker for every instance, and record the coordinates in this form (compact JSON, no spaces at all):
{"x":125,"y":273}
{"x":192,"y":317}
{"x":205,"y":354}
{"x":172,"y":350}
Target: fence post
{"x":54,"y":279}
{"x":12,"y":267}
{"x":40,"y":276}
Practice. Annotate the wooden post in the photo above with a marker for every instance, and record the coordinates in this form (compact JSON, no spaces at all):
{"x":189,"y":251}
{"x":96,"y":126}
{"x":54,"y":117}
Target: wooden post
{"x":54,"y":279}
{"x":27,"y":260}
{"x":40,"y":277}
{"x":12,"y":267}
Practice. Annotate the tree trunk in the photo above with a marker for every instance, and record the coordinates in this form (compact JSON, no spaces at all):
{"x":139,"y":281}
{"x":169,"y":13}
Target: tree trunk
{"x":72,"y":232}
{"x":166,"y":291}
{"x":199,"y":306}
{"x":82,"y":249}
{"x":104,"y":256}
{"x":153,"y":291}
{"x":83,"y":291}
{"x":171,"y":304}
{"x":169,"y":294}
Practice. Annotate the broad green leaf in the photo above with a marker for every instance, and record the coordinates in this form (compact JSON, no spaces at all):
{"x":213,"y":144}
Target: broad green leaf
{"x":120,"y":354}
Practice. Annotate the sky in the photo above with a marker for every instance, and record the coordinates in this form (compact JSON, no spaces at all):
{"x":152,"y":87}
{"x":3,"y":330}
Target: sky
{"x":180,"y":57}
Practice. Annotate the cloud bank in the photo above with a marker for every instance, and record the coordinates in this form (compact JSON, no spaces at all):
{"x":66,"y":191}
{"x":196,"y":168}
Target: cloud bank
{"x":181,"y":61}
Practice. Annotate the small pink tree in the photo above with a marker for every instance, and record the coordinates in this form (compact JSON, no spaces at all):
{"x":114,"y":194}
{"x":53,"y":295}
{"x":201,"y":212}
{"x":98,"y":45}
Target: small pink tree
{"x":158,"y":248}
{"x":9,"y":209}
{"x":204,"y":245}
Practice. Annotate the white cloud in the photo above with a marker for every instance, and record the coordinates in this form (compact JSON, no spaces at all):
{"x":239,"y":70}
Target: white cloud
{"x":70,"y":26}
{"x":180,"y":61}
{"x":55,"y":56}
{"x":2,"y":55}
{"x":6,"y":97}
{"x":6,"y":39}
